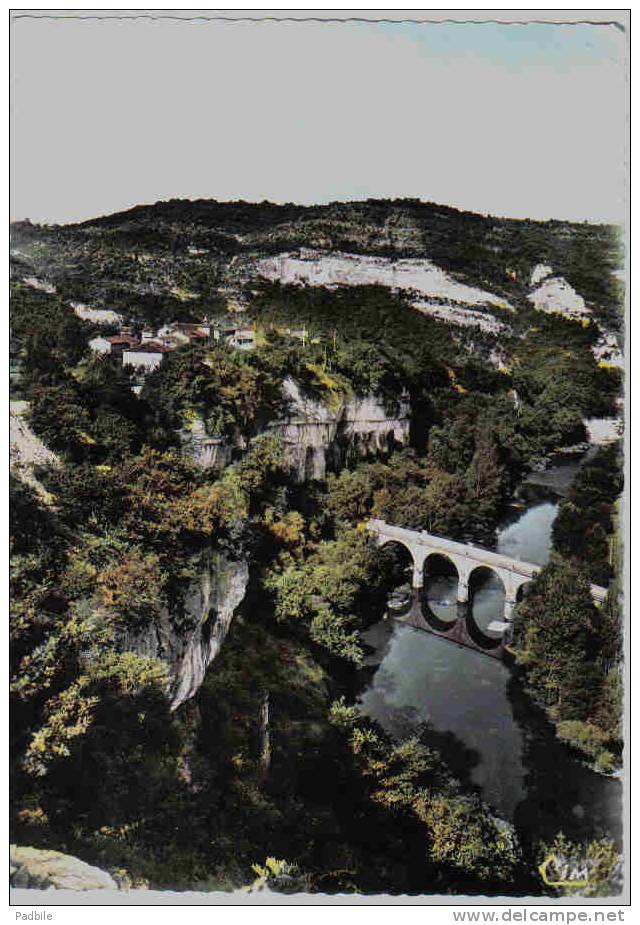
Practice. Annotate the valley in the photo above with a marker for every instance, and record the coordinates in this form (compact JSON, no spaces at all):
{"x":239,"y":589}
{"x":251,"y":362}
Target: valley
{"x":210,"y":402}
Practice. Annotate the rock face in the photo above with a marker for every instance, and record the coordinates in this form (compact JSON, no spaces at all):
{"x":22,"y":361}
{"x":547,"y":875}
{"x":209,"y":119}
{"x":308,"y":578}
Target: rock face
{"x":207,"y":452}
{"x":607,"y":350}
{"x":555,"y":295}
{"x":26,"y":450}
{"x":32,"y":868}
{"x":317,"y":438}
{"x":419,"y":276}
{"x":540,"y":272}
{"x":190,"y":641}
{"x":465,"y":317}
{"x":96,"y":315}
{"x":603,"y":431}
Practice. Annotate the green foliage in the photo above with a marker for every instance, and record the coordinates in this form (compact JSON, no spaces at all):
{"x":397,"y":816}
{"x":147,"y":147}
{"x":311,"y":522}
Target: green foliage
{"x":349,"y":495}
{"x":415,"y":492}
{"x":590,"y":739}
{"x":561,"y":637}
{"x":465,"y":836}
{"x":132,"y":588}
{"x":458,"y":831}
{"x":46,"y":333}
{"x":559,"y":383}
{"x":373,"y":338}
{"x":76,"y":666}
{"x":231,"y":391}
{"x":585,"y":521}
{"x":279,"y":876}
{"x":69,"y":715}
{"x":330,"y":591}
{"x":59,"y":418}
{"x":82,"y":418}
{"x":35,"y":531}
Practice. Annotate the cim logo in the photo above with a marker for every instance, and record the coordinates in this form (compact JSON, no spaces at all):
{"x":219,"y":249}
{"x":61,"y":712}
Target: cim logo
{"x":557,"y":871}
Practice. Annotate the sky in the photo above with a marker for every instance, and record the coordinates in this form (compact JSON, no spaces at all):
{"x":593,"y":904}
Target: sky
{"x":514,"y":120}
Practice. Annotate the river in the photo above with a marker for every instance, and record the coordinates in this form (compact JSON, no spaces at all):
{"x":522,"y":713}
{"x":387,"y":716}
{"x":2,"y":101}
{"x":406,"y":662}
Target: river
{"x":474,"y":708}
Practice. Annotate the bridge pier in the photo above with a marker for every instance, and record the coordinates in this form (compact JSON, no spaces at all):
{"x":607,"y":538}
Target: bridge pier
{"x":509,"y":607}
{"x":418,"y":576}
{"x":463,"y":591}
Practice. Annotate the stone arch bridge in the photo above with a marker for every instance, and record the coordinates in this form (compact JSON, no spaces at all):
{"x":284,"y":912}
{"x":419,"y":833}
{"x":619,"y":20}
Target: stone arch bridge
{"x":466,"y":558}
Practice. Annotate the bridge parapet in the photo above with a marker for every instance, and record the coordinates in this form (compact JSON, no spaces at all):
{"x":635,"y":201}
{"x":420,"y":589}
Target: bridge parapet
{"x":420,"y":541}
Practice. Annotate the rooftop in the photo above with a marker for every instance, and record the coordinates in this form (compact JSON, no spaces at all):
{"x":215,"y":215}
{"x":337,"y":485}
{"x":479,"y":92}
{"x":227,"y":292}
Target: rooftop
{"x":149,"y":347}
{"x":122,"y":339}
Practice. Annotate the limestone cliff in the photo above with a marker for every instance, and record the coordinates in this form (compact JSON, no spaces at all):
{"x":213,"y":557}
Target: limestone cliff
{"x":189,"y":640}
{"x":419,"y":277}
{"x":206,"y":451}
{"x":317,"y":438}
{"x":431,"y":290}
{"x":26,"y":451}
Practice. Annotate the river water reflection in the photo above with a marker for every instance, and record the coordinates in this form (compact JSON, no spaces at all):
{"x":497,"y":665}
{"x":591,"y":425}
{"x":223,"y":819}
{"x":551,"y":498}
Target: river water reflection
{"x":475,"y":710}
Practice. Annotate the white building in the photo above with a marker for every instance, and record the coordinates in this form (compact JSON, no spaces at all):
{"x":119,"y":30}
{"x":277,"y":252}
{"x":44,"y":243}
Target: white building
{"x":100,"y":344}
{"x":114,"y":345}
{"x":145,"y":357}
{"x":243,"y":338}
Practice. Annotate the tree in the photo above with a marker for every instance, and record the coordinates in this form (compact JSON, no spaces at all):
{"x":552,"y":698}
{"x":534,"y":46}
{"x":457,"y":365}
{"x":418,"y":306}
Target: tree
{"x":59,"y":418}
{"x":408,"y":779}
{"x":330,"y":591}
{"x":132,"y":588}
{"x":560,"y":637}
{"x":585,"y":523}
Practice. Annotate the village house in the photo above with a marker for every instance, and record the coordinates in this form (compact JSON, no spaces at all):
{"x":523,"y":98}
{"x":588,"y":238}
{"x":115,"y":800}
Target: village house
{"x":100,"y":344}
{"x":120,"y":343}
{"x":243,"y":338}
{"x":236,"y":333}
{"x":114,"y":345}
{"x":144,"y":357}
{"x":223,"y":328}
{"x":173,"y":335}
{"x":144,"y":354}
{"x":299,"y":334}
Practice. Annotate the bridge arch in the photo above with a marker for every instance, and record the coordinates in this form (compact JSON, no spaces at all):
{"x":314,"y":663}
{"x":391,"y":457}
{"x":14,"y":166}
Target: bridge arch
{"x":479,"y":570}
{"x":441,"y":577}
{"x":390,"y":545}
{"x":385,"y":544}
{"x":487,"y":599}
{"x":437,"y":557}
